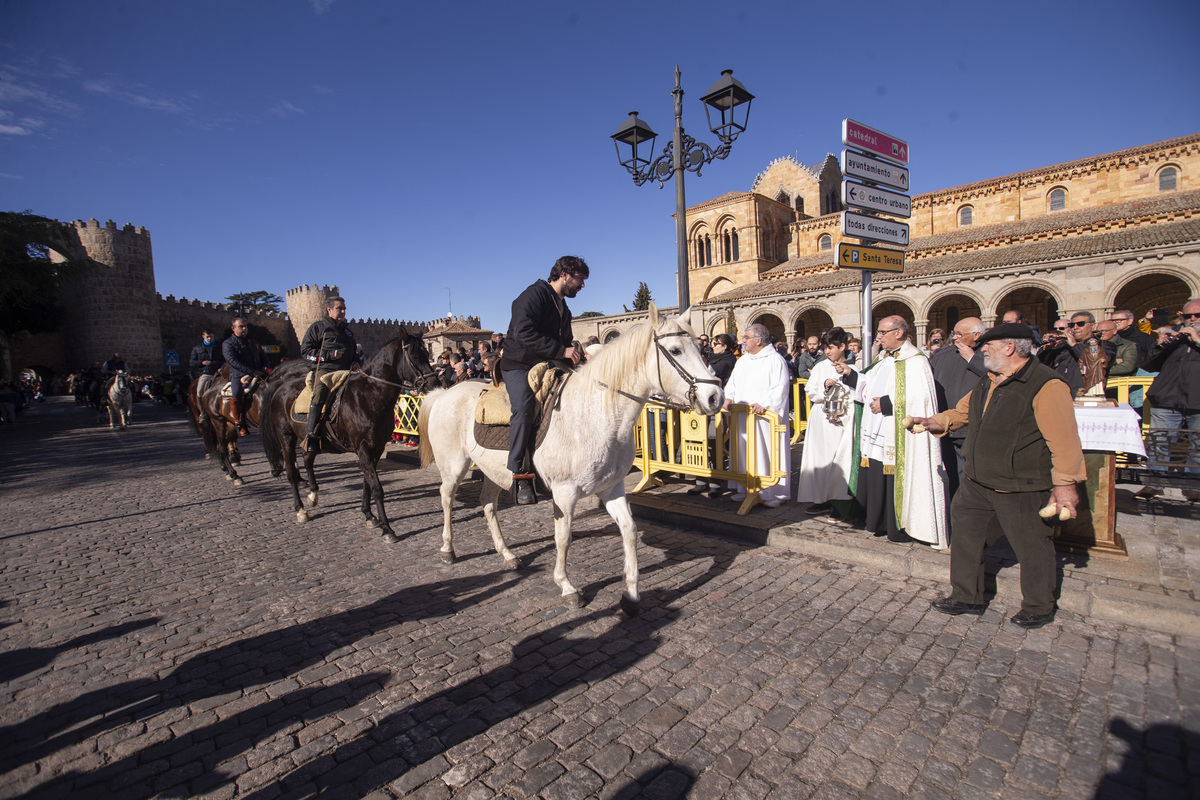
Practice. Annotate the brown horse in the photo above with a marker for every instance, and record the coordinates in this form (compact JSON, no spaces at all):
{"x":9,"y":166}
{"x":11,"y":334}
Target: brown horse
{"x":363,"y":426}
{"x":212,"y":416}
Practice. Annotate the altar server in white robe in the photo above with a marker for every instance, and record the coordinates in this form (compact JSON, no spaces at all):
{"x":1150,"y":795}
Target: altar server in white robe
{"x":829,"y":438}
{"x":761,"y":380}
{"x":897,"y":476}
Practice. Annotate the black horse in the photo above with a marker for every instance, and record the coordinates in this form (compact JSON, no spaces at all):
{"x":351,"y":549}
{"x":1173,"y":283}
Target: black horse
{"x":363,"y":426}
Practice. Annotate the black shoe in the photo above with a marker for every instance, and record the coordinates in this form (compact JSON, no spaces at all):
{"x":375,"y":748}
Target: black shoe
{"x":818,"y":508}
{"x":699,"y":488}
{"x":1029,"y":621}
{"x":525,"y":495}
{"x":715,"y":493}
{"x":948,"y":605}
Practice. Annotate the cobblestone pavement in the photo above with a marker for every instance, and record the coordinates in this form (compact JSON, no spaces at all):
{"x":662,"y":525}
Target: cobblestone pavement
{"x":164,"y":634}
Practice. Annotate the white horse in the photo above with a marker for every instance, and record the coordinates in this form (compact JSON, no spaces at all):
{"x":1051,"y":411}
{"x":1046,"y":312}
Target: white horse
{"x":589,"y":446}
{"x":120,"y":400}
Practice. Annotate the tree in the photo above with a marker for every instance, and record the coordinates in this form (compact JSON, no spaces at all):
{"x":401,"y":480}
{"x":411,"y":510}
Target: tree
{"x":255,"y":302}
{"x":31,"y":284}
{"x":641,"y":300}
{"x":587,"y":314}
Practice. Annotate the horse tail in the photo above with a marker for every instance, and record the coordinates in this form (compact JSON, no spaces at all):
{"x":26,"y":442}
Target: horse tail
{"x":272,"y":445}
{"x":193,"y":406}
{"x":423,"y":427}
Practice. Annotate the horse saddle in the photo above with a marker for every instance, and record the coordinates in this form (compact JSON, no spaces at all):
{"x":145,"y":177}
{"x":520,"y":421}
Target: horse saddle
{"x":227,"y":388}
{"x":493,"y":410}
{"x":336,"y":381}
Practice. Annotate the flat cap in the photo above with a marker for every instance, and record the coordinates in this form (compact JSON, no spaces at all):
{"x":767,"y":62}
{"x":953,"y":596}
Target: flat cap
{"x":1007,"y":330}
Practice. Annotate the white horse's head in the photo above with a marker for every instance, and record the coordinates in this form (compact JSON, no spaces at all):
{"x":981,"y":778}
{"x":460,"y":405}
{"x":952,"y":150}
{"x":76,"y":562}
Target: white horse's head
{"x":680,"y":370}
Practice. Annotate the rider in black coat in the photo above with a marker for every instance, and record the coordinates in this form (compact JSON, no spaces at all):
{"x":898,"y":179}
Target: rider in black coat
{"x":329,"y":346}
{"x":246,"y":360}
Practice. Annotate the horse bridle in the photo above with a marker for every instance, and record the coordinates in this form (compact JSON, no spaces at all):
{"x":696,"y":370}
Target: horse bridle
{"x":418,"y":384}
{"x":692,"y":380}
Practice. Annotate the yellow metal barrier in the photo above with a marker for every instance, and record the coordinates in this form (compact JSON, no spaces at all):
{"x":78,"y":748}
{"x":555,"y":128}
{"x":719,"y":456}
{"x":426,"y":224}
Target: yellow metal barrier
{"x":800,"y":400}
{"x":670,"y":440}
{"x":408,"y":407}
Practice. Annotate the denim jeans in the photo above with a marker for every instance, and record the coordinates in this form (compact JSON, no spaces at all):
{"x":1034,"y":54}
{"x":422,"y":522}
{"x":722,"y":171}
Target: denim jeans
{"x":1174,"y":419}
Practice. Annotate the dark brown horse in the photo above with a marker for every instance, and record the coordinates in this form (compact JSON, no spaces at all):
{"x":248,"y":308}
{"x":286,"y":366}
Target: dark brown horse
{"x":212,"y":416}
{"x":363,"y":426}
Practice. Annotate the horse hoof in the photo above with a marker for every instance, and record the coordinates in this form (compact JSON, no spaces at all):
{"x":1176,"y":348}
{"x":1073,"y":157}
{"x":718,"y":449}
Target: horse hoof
{"x":573,"y":600}
{"x":228,"y":477}
{"x":302,"y":516}
{"x":238,"y":482}
{"x":373,"y":523}
{"x":448,"y":558}
{"x":390,"y":538}
{"x":512,"y":563}
{"x":630,"y":606}
{"x":312,"y":498}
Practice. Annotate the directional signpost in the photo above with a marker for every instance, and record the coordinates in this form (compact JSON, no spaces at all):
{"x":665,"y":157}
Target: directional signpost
{"x":857,"y":165}
{"x":872,"y":198}
{"x":880,"y":162}
{"x":859,"y":256}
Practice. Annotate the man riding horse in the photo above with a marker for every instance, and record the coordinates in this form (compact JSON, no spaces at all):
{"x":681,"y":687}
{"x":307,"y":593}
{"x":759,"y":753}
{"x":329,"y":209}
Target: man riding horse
{"x":330,"y":347}
{"x":540,"y":330}
{"x":246,"y":362}
{"x":206,"y":361}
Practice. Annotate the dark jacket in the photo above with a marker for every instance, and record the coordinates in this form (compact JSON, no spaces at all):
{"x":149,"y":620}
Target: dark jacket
{"x":805,"y":362}
{"x":1004,"y":448}
{"x":324,"y":338}
{"x":206,"y":352}
{"x":1177,"y":385}
{"x":1144,"y":341}
{"x":954,"y":378}
{"x":1062,"y":359}
{"x":243,"y":356}
{"x":539,"y":330}
{"x":722,"y":365}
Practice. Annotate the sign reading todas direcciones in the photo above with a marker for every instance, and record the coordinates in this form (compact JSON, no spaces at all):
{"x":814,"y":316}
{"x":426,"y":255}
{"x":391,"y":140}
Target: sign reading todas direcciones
{"x":875,"y":229}
{"x":858,"y":256}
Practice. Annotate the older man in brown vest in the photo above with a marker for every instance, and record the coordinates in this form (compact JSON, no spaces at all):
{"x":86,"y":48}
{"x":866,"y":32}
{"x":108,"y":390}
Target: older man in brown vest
{"x":1022,"y":449}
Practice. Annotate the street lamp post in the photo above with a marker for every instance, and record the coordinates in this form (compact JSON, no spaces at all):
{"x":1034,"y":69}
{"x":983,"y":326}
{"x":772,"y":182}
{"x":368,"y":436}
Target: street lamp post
{"x":729,"y":98}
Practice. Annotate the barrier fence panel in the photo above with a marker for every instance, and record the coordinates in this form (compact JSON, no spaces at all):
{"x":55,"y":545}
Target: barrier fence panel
{"x":801,"y":409}
{"x":671,"y":440}
{"x":408,"y":407}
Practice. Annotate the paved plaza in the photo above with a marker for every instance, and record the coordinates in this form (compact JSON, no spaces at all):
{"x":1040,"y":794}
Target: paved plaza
{"x":163,"y":634}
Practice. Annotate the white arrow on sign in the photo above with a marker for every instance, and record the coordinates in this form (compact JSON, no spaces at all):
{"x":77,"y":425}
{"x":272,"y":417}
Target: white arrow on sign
{"x":875,"y":229}
{"x":872,"y":198}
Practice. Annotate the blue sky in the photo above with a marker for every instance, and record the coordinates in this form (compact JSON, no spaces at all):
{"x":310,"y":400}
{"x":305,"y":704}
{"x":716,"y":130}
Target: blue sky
{"x":397,"y":149}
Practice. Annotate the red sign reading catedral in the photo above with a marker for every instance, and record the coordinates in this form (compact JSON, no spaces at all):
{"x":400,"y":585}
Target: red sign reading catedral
{"x":864,"y":137}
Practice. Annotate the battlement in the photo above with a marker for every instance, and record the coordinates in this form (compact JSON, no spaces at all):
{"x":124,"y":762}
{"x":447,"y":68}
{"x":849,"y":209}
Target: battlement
{"x":306,"y":289}
{"x":94,"y":224}
{"x":210,"y":306}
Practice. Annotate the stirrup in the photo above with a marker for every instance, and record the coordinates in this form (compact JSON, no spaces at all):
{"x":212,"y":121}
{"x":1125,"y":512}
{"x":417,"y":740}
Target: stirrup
{"x":312,"y":443}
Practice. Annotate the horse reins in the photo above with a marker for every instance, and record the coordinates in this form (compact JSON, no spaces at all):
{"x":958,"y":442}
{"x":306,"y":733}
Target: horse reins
{"x":692,"y":380}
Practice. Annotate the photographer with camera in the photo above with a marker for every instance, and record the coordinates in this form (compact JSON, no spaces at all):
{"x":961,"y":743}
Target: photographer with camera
{"x":1175,"y":396}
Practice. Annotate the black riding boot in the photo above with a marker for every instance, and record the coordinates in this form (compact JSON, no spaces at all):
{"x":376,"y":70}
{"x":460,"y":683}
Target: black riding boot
{"x":312,"y":440}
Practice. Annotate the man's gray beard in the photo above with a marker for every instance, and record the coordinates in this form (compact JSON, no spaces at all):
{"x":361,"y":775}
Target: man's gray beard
{"x":991,"y":364}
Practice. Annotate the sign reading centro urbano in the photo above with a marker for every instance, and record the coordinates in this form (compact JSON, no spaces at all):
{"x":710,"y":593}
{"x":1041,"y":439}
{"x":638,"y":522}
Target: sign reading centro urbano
{"x":876,"y":229}
{"x":863,"y":137}
{"x":857,"y":165}
{"x":872,"y":198}
{"x":858,"y":256}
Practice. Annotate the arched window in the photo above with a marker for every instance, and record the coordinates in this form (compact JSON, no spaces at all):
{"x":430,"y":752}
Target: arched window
{"x":1167,"y":179}
{"x":825,"y":242}
{"x":736,"y":255}
{"x":1058,"y":199}
{"x":965,"y":216}
{"x":726,"y":248}
{"x":707,"y":251}
{"x":799,"y":205}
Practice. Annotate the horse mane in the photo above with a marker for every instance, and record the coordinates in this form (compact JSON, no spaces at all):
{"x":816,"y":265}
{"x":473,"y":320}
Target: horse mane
{"x":623,"y":355}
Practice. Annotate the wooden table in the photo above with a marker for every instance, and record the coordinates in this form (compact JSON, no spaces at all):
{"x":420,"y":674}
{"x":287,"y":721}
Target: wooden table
{"x":1103,"y":432}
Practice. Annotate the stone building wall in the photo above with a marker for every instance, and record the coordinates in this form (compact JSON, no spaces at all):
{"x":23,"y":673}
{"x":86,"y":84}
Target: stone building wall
{"x":181,"y":321}
{"x":112,"y":309}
